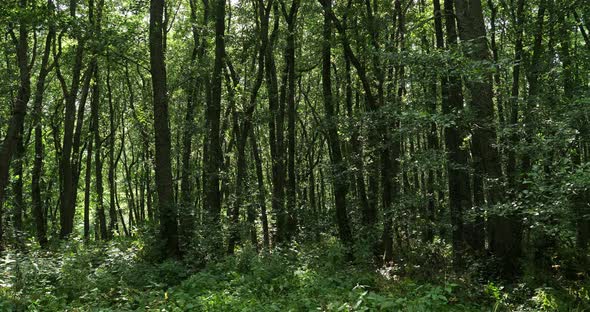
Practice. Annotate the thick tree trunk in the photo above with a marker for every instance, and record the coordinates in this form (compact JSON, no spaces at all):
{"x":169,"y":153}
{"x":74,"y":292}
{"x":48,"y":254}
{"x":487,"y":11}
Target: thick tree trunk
{"x":166,"y":205}
{"x":15,"y":128}
{"x":213,"y":159}
{"x":457,"y":157}
{"x":504,"y":229}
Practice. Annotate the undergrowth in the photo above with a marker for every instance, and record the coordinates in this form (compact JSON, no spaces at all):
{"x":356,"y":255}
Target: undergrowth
{"x":115,"y":277}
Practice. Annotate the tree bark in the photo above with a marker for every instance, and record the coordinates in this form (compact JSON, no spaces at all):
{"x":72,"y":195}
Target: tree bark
{"x":339,"y":181}
{"x":111,"y":174}
{"x":504,"y":229}
{"x":166,"y":205}
{"x":244,"y":132}
{"x":38,"y":209}
{"x":16,"y":125}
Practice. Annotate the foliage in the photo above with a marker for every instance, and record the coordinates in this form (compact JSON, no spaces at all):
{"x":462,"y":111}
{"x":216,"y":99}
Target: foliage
{"x":112,"y":277}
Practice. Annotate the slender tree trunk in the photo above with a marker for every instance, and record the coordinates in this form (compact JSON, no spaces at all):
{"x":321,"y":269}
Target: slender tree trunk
{"x":368,"y":216}
{"x":87,"y":190}
{"x":76,"y":155}
{"x":275,"y":125}
{"x":339,"y":182}
{"x":68,"y":191}
{"x":243,"y":132}
{"x":261,"y":190}
{"x":291,"y":18}
{"x":511,"y":167}
{"x":111,"y":174}
{"x":95,"y":128}
{"x":186,"y":208}
{"x":38,"y":209}
{"x":495,"y":55}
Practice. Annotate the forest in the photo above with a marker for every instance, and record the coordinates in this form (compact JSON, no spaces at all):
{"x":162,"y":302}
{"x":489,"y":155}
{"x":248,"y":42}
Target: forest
{"x":295,"y":155}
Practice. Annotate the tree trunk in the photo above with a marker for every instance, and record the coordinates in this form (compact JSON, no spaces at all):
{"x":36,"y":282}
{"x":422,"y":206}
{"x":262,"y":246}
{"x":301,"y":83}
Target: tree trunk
{"x":261,"y":190}
{"x":111,"y":174}
{"x":68,"y":191}
{"x":505,"y":230}
{"x":339,"y":181}
{"x":95,"y":128}
{"x":16,"y":125}
{"x":87,"y":181}
{"x":166,"y":205}
{"x":243,"y":132}
{"x":511,"y":166}
{"x":275,"y":126}
{"x":38,"y":210}
{"x":291,"y":186}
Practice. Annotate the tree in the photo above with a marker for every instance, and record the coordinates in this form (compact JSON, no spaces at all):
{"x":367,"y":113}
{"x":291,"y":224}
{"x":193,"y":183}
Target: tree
{"x":338,"y":165}
{"x":166,"y":204}
{"x":505,"y":230}
{"x":15,"y":128}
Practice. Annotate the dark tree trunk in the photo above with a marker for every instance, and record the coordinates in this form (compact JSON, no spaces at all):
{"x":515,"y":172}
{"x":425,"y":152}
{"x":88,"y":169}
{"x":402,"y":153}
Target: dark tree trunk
{"x":16,"y":125}
{"x":111,"y":174}
{"x":87,"y":189}
{"x":243,"y":132}
{"x":473,"y":228}
{"x":261,"y":190}
{"x":17,"y":187}
{"x":339,"y":182}
{"x":505,"y":230}
{"x":511,"y":166}
{"x":68,"y":197}
{"x":457,"y":157}
{"x":38,"y":210}
{"x":186,"y":208}
{"x":291,"y":19}
{"x":166,"y":205}
{"x":76,"y":155}
{"x":275,"y":125}
{"x":95,"y":128}
{"x":368,"y":215}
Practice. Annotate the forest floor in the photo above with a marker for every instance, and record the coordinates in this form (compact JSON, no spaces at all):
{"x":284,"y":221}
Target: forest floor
{"x":117,"y":276}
